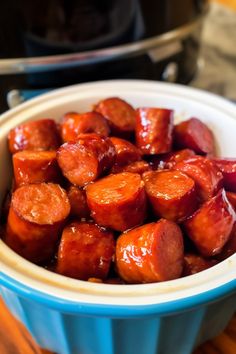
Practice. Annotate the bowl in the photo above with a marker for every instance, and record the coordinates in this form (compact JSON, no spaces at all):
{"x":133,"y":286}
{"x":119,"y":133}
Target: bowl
{"x":69,"y":316}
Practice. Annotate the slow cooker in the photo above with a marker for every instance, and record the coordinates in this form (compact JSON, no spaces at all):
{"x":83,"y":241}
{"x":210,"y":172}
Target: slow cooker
{"x":51,"y":43}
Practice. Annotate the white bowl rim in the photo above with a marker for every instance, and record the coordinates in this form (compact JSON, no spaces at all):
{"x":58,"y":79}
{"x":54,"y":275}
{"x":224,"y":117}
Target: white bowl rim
{"x":32,"y":277}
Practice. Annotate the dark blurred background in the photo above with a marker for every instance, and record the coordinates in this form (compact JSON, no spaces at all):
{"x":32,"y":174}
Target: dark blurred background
{"x":185,"y":41}
{"x":40,"y":28}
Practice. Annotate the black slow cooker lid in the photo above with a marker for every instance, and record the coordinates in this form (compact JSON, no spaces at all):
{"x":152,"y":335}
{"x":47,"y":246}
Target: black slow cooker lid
{"x":49,"y":27}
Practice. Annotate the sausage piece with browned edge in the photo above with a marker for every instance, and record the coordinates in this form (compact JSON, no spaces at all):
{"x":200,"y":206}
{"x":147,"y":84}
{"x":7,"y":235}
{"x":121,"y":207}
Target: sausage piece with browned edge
{"x":227,"y":166}
{"x":194,"y":134}
{"x":205,"y":173}
{"x":194,"y":263}
{"x":35,"y":167}
{"x":150,"y":253}
{"x":119,"y":113}
{"x":126,"y":152}
{"x":84,"y":160}
{"x":85,"y":251}
{"x":40,"y":135}
{"x":134,"y":167}
{"x":36,"y":218}
{"x":74,"y":124}
{"x":172,"y":194}
{"x":230,"y":247}
{"x":154,"y":130}
{"x":118,"y":201}
{"x":78,"y":202}
{"x":169,"y":160}
{"x":211,"y":225}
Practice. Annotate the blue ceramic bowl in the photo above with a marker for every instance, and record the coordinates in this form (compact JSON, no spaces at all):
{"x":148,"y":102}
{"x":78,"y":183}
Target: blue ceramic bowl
{"x":69,"y":316}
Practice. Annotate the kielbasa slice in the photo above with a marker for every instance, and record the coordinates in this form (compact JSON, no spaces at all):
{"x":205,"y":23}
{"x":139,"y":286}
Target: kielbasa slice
{"x":211,"y":225}
{"x":205,"y":173}
{"x":36,"y":217}
{"x":35,"y":167}
{"x":134,"y":167}
{"x":84,"y":160}
{"x":169,"y":160}
{"x":119,"y":113}
{"x":118,"y":201}
{"x":154,"y":128}
{"x":194,"y":263}
{"x":85,"y":251}
{"x":172,"y":194}
{"x":150,"y":253}
{"x":74,"y":124}
{"x":78,"y":202}
{"x":227,"y":166}
{"x":195,"y":135}
{"x":126,"y":152}
{"x":36,"y":135}
{"x":230,"y":247}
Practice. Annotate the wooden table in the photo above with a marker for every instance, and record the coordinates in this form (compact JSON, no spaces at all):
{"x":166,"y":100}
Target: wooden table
{"x":14,"y":338}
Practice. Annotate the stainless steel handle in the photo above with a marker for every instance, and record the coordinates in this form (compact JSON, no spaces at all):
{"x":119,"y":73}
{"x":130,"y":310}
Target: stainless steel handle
{"x":54,"y":62}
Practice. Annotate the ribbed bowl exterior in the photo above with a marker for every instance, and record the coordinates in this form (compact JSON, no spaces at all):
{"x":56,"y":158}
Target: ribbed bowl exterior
{"x":74,"y":334}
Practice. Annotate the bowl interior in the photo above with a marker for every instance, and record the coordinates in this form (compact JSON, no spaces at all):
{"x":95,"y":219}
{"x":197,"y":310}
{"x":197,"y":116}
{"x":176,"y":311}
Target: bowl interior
{"x":217,"y":113}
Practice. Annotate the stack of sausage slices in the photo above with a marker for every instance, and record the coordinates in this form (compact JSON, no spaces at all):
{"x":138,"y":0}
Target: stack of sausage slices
{"x":119,"y":195}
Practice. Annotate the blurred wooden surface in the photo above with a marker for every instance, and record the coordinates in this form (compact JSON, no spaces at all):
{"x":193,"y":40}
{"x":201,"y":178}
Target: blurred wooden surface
{"x":14,"y":338}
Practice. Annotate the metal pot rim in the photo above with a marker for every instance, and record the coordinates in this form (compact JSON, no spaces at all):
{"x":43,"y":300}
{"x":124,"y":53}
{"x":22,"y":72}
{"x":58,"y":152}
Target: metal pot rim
{"x":63,"y":61}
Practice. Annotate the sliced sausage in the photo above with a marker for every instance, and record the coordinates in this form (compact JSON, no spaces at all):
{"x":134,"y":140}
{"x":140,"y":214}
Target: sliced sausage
{"x":36,"y":218}
{"x":230,"y":247}
{"x":211,"y":225}
{"x":125,"y":151}
{"x":205,"y":173}
{"x":150,"y":253}
{"x":172,"y":194}
{"x":74,"y":124}
{"x":78,"y":202}
{"x":118,"y":201}
{"x":228,"y":168}
{"x":35,"y":167}
{"x":138,"y":167}
{"x":85,"y":251}
{"x":84,"y":160}
{"x":194,"y":263}
{"x":194,"y":134}
{"x":36,"y":135}
{"x":120,"y":114}
{"x":135,"y":167}
{"x":154,"y":130}
{"x":168,"y":161}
